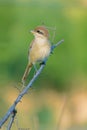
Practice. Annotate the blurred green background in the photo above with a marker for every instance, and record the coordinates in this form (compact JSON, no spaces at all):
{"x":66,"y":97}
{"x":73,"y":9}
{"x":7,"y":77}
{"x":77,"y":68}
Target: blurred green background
{"x":66,"y":69}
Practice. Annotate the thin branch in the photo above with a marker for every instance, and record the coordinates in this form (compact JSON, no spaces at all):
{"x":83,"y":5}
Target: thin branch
{"x":24,"y":91}
{"x":11,"y":120}
{"x":55,"y":45}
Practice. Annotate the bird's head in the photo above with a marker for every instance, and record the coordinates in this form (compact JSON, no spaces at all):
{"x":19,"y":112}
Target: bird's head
{"x":40,"y":31}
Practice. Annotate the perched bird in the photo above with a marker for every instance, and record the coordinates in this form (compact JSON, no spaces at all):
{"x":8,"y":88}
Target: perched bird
{"x":39,"y":49}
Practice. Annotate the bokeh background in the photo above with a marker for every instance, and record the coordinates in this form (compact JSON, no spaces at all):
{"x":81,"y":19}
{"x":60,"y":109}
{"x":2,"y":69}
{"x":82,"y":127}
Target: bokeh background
{"x":58,"y":99}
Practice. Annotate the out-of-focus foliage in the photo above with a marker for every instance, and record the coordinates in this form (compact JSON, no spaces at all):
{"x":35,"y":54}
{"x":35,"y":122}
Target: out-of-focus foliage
{"x":65,"y":69}
{"x":69,"y":60}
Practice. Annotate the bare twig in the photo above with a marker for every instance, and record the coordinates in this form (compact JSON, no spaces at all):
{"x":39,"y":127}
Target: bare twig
{"x":23,"y":92}
{"x":11,"y":120}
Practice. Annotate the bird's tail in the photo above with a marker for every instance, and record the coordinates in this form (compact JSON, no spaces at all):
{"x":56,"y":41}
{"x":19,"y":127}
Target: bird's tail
{"x":27,"y":70}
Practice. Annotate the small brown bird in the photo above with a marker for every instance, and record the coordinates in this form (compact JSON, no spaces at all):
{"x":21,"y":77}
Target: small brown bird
{"x":39,"y":49}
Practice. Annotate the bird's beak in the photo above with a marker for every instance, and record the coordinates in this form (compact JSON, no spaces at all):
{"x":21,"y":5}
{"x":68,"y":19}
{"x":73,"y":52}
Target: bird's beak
{"x":32,"y":31}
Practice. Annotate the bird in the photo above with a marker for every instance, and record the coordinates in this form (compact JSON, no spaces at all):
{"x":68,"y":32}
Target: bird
{"x":39,"y":49}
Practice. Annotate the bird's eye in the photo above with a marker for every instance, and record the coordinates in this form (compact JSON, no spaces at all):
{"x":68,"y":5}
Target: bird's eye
{"x":38,"y":31}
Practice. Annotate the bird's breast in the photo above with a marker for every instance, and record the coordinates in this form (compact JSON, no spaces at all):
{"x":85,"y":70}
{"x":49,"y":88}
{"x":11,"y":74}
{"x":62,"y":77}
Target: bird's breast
{"x":39,"y":52}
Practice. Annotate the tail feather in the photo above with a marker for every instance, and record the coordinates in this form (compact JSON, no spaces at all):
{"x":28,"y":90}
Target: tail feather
{"x":27,"y":70}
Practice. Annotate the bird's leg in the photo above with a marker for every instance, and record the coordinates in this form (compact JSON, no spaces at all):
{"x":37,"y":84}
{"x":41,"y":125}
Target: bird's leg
{"x":35,"y":68}
{"x":42,"y":63}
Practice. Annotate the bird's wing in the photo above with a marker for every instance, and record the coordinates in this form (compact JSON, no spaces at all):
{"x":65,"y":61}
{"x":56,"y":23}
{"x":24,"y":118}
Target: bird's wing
{"x":31,"y":44}
{"x":30,"y":47}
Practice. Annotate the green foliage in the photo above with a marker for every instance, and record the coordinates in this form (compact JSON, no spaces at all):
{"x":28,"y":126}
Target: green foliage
{"x":68,"y":60}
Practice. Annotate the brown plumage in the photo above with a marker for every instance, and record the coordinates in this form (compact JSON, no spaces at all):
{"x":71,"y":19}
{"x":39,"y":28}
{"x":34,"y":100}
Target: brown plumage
{"x":39,"y":48}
